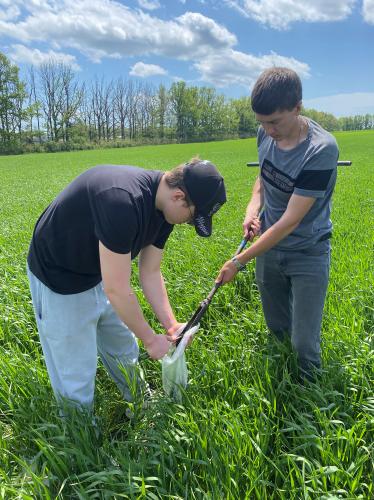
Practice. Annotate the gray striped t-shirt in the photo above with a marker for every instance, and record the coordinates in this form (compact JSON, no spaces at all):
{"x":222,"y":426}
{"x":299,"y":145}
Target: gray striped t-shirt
{"x":309,"y":169}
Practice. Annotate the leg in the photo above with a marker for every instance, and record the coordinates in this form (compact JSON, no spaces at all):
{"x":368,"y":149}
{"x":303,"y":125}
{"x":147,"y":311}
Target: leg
{"x":67,"y":330}
{"x":275,"y":288}
{"x":309,"y":278}
{"x":118,"y":350}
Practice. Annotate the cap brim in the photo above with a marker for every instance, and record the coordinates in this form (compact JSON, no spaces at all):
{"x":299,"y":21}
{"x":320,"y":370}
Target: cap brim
{"x":203,"y":225}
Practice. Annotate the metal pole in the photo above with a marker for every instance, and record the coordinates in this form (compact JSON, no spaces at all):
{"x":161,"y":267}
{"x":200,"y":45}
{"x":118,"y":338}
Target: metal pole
{"x":345,"y":163}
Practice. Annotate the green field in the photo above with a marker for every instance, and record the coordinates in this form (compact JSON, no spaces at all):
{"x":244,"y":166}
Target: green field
{"x":246,"y":428}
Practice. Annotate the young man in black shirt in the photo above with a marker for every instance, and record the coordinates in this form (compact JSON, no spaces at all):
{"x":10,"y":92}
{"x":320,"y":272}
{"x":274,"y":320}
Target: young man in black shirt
{"x":79,"y":267}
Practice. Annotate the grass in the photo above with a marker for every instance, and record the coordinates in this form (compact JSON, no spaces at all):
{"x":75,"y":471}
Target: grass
{"x":246,"y":428}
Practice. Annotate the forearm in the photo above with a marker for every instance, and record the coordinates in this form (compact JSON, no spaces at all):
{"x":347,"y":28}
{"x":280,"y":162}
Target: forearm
{"x":256,"y":201}
{"x":127,"y":307}
{"x":298,"y":206}
{"x":154,"y":290}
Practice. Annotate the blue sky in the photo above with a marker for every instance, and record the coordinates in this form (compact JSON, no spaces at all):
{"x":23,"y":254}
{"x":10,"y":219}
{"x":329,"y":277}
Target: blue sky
{"x":220,"y":43}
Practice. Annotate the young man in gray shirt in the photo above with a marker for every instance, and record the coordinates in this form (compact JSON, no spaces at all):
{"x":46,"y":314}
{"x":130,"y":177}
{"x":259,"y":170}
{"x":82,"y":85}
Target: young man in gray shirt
{"x":293,"y":192}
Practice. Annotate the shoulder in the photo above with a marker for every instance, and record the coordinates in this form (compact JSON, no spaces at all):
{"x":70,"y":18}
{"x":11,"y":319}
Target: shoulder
{"x":321,"y":141}
{"x":134,"y":180}
{"x":110,"y":172}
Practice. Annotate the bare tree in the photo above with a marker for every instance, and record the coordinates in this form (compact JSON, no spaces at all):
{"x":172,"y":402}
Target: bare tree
{"x":107,"y":107}
{"x":61,"y":96}
{"x":34,"y":104}
{"x":147,"y":110}
{"x":86,"y":114}
{"x":133,"y":98}
{"x":52,"y":92}
{"x":121,"y":104}
{"x":73,"y":95}
{"x":101,"y":103}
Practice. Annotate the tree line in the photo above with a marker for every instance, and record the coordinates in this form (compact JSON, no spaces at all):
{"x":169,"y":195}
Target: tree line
{"x":51,"y":110}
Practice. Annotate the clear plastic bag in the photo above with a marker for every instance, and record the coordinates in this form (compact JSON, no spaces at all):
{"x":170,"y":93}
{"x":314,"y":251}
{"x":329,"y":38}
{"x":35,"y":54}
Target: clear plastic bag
{"x":174,"y":367}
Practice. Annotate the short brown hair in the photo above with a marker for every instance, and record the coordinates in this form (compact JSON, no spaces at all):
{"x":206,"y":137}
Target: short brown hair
{"x":174,"y":178}
{"x":277,"y":89}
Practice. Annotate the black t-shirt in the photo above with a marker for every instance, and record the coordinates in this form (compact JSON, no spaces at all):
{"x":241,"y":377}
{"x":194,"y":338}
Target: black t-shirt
{"x":111,"y":203}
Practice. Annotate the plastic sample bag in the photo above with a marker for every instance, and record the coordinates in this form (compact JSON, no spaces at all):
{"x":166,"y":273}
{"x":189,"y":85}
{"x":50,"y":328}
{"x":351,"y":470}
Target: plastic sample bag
{"x":174,"y":367}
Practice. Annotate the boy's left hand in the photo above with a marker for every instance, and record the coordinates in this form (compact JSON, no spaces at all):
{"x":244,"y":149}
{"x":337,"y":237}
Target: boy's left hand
{"x":227,"y":272}
{"x":175,"y":331}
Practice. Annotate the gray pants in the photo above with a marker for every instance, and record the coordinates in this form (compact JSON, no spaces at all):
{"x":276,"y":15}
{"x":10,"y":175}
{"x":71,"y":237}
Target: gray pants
{"x":73,"y":330}
{"x":293,"y":289}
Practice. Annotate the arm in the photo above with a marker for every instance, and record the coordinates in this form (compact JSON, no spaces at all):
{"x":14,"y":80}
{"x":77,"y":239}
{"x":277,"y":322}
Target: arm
{"x":298,"y":206}
{"x":116,"y":272}
{"x":154,"y":289}
{"x":251,"y":223}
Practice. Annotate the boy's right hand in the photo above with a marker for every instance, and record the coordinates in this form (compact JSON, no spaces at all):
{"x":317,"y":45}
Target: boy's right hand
{"x":158,"y":346}
{"x":251,"y":226}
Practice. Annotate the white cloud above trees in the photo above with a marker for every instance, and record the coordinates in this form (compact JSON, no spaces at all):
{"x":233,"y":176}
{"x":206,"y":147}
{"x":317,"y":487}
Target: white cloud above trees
{"x":22,"y":54}
{"x":8,"y":10}
{"x":149,"y":4}
{"x":368,"y":11}
{"x":280,"y":14}
{"x":104,"y":28}
{"x":99,"y":29}
{"x":143,"y":70}
{"x":233,"y":67}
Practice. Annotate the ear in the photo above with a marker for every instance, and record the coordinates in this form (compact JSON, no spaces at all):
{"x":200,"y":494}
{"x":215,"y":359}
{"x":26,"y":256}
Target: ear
{"x":178,"y":195}
{"x":298,"y":107}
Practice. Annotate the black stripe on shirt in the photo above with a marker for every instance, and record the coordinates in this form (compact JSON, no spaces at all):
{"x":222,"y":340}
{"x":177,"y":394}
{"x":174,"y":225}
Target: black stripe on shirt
{"x":276,"y":177}
{"x":314,"y":180}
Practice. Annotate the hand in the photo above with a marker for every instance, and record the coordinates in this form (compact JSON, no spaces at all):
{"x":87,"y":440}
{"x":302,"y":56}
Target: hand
{"x":173,"y":338}
{"x":227,"y":272}
{"x":158,"y":346}
{"x":174,"y":331}
{"x":251,"y":226}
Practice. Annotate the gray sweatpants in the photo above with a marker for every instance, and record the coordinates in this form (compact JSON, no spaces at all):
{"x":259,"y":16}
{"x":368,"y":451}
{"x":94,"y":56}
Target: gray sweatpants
{"x":293,"y":289}
{"x":73,"y":330}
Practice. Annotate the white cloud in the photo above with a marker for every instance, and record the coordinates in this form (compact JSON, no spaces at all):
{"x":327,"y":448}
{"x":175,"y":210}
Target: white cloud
{"x":108,"y":29}
{"x":149,"y":4}
{"x":104,"y":28}
{"x":8,"y":10}
{"x":144,"y":70}
{"x":358,"y":103}
{"x":368,"y":11}
{"x":232,"y":67}
{"x":21,"y":54}
{"x":279,"y":14}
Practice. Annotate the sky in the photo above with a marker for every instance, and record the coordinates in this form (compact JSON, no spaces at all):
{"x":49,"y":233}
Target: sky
{"x":221,"y":43}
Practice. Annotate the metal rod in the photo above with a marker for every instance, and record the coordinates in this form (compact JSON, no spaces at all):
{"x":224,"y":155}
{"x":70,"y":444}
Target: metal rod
{"x":343,"y":163}
{"x":200,"y":311}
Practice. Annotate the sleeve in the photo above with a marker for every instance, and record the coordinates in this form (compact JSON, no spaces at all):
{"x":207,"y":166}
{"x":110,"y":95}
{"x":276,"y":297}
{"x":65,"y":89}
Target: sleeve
{"x":163,"y":235}
{"x":317,"y":174}
{"x":115,"y":219}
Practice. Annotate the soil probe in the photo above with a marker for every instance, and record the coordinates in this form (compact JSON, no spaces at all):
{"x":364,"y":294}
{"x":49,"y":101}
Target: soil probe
{"x":200,"y":311}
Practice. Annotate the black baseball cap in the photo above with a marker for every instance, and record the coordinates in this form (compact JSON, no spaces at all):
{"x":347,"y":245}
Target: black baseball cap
{"x":206,"y":189}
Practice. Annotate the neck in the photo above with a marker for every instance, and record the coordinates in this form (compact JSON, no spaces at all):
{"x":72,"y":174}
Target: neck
{"x":296,"y":135}
{"x":160,"y":194}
